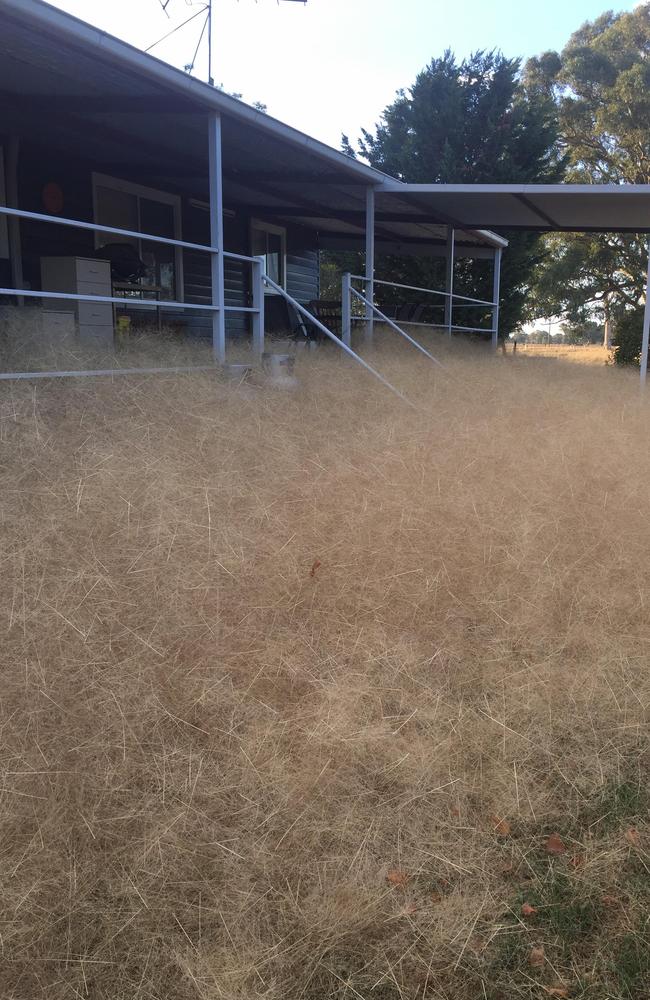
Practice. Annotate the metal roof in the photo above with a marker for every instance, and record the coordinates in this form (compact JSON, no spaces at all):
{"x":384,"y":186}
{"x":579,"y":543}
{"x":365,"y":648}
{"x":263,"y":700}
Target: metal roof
{"x":597,"y":208}
{"x":71,"y":86}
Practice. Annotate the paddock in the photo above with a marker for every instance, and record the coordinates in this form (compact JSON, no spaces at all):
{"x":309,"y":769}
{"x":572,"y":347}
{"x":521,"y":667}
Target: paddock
{"x":306,"y":693}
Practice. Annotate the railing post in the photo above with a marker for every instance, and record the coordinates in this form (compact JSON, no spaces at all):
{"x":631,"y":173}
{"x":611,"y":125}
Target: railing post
{"x":646,"y":326}
{"x":259,"y":265}
{"x":370,"y":260}
{"x":496,"y":291}
{"x":216,"y":239}
{"x":13,"y":224}
{"x":449,"y":279}
{"x":346,"y":310}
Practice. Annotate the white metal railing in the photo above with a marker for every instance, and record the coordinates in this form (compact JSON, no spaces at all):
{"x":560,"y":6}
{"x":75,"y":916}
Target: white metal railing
{"x":332,"y":336}
{"x":256,"y":310}
{"x":451,"y":301}
{"x":131,"y":234}
{"x":391,"y":323}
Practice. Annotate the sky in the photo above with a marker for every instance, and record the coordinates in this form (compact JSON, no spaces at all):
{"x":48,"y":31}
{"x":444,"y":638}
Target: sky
{"x":332,"y":66}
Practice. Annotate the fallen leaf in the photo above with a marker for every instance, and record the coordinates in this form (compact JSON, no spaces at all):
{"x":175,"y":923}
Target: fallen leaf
{"x":555,"y":844}
{"x":527,"y":910}
{"x":437,"y":897}
{"x":502,"y":827}
{"x":536,"y":958}
{"x":610,"y":901}
{"x":397,"y":877}
{"x":316,"y":565}
{"x":557,"y":991}
{"x":455,"y":811}
{"x":507,"y":868}
{"x":408,"y":910}
{"x":633,"y":837}
{"x":578,"y":860}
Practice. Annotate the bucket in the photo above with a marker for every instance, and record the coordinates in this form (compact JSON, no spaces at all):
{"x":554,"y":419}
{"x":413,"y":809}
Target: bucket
{"x":278,"y":364}
{"x":279,"y":368}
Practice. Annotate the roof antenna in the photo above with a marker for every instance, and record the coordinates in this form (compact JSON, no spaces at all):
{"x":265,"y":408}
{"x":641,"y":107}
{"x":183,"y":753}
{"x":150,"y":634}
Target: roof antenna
{"x":206,"y":7}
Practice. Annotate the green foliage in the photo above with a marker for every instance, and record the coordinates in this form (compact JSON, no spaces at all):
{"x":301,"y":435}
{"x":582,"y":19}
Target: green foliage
{"x":632,"y":964}
{"x":594,"y":927}
{"x":600,"y":84}
{"x":628,"y":333}
{"x":582,"y":332}
{"x":472,"y":121}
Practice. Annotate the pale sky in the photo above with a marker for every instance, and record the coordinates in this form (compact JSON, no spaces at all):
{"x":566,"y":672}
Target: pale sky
{"x":332,"y":66}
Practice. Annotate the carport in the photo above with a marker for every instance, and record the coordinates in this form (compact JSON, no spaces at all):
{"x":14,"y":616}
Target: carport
{"x":544,"y":208}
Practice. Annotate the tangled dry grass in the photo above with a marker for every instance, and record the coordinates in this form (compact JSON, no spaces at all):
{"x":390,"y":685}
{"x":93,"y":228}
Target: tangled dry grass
{"x":296,"y":686}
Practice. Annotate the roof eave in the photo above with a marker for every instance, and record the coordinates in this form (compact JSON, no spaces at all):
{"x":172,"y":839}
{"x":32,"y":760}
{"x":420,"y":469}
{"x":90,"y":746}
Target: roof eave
{"x":44,"y":15}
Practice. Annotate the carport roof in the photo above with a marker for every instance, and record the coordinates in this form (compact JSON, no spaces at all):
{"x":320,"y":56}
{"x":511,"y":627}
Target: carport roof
{"x":598,"y":208}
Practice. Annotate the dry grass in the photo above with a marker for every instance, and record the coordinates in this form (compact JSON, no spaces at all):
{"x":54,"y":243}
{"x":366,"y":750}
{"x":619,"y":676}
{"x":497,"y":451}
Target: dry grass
{"x":592,"y":354}
{"x":297,"y":684}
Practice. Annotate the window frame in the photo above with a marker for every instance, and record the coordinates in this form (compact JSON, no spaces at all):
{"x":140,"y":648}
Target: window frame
{"x":152,"y":194}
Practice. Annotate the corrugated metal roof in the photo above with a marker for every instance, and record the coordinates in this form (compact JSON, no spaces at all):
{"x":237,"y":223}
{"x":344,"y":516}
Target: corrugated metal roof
{"x":542,"y":207}
{"x":72,"y":86}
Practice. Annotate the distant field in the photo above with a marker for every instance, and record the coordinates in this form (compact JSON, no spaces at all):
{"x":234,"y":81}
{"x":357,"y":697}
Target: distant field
{"x":309,"y":695}
{"x":591,"y":355}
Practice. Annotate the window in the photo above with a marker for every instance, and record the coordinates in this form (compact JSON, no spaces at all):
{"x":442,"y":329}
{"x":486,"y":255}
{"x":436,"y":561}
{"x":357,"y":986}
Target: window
{"x":270,"y":242}
{"x":125,"y":205}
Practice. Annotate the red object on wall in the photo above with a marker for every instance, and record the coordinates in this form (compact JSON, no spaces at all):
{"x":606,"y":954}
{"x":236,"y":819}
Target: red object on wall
{"x":52,"y":197}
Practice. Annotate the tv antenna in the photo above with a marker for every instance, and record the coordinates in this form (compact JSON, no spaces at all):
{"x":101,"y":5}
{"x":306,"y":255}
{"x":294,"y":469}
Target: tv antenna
{"x":205,"y":9}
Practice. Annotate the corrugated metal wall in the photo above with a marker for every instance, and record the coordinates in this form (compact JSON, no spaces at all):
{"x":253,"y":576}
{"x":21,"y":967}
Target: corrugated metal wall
{"x":303,"y":278}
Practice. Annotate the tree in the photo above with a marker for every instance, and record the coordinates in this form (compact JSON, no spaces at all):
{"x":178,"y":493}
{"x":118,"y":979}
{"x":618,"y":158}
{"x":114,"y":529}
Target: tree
{"x":473,"y":121}
{"x":601,"y":86}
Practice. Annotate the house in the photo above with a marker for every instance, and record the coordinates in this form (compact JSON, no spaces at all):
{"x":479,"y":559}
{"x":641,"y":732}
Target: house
{"x":94,"y":133}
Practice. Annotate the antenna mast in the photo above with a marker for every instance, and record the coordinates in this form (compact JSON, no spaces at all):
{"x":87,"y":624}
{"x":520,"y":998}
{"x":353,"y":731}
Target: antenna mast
{"x":206,"y":7}
{"x":210,"y":77}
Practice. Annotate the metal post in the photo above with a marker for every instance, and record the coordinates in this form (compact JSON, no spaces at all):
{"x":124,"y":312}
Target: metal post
{"x":449,"y":278}
{"x":216,"y":239}
{"x":646,"y":325}
{"x":496,"y":290}
{"x":346,"y":311}
{"x":210,"y":77}
{"x":13,"y":224}
{"x":259,"y":266}
{"x":370,"y":259}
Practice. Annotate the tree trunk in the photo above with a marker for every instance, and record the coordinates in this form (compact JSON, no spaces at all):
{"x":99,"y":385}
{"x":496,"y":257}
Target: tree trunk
{"x":607,"y":338}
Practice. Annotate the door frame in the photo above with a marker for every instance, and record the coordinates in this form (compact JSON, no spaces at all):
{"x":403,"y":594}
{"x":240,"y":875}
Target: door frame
{"x":269,"y":227}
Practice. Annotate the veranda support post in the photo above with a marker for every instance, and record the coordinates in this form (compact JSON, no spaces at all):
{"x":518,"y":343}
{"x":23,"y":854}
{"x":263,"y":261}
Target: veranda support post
{"x":496,"y":292}
{"x":13,"y":224}
{"x":346,"y":308}
{"x":259,"y":266}
{"x":449,"y":278}
{"x":216,"y":239}
{"x":646,"y":325}
{"x":370,"y":260}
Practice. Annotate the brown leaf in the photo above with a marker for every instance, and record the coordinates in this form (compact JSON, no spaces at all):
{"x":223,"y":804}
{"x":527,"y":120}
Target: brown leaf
{"x":408,"y":910}
{"x":536,"y":958}
{"x":633,"y":837}
{"x":502,"y":827}
{"x":527,"y":910}
{"x":455,"y":811}
{"x":507,"y":868}
{"x":555,"y":845}
{"x":437,"y":897}
{"x":316,"y":565}
{"x":610,"y":901}
{"x":578,"y":860}
{"x":397,"y":877}
{"x":557,"y":991}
